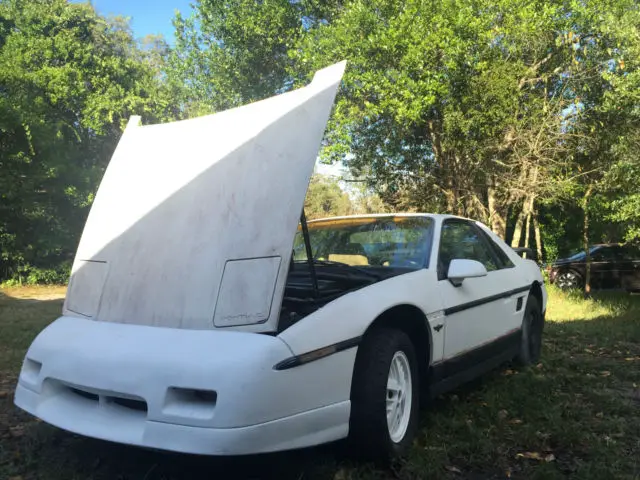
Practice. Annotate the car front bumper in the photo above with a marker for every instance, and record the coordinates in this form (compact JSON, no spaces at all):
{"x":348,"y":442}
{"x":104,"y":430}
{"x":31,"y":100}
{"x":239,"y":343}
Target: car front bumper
{"x":304,"y":429}
{"x":202,"y":392}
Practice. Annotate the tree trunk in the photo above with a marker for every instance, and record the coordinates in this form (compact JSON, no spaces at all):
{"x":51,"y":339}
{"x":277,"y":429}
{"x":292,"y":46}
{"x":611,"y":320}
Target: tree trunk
{"x":527,"y":230}
{"x":496,"y":217}
{"x":525,"y":214}
{"x":517,"y":231}
{"x":452,"y":201}
{"x":536,"y":228}
{"x":585,"y":238}
{"x":527,"y":209}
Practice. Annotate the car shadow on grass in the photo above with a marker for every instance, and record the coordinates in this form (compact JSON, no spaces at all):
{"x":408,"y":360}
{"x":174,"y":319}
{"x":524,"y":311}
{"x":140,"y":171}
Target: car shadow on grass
{"x":43,"y":451}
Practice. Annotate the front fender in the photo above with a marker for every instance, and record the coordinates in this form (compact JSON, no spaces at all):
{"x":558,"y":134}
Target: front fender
{"x":349,"y":316}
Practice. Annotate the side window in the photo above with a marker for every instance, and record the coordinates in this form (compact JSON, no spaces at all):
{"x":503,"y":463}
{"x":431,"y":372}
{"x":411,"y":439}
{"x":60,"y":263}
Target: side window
{"x":503,"y":259}
{"x":605,"y":254}
{"x":460,"y":239}
{"x":630,"y":253}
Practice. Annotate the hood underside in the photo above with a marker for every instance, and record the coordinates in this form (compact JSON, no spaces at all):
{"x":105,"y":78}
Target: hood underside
{"x":194,"y":221}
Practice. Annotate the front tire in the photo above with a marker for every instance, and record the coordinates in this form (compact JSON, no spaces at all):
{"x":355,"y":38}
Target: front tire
{"x":531,"y":338}
{"x":384,"y":396}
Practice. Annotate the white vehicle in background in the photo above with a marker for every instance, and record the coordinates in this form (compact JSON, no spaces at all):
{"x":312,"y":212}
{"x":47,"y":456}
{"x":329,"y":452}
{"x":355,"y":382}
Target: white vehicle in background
{"x":204,"y":314}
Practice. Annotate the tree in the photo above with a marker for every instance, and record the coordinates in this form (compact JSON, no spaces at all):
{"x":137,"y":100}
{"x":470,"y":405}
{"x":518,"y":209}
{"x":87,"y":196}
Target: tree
{"x":69,"y":80}
{"x":325,"y":198}
{"x":232,"y":52}
{"x":459,"y":103}
{"x":609,"y":119}
{"x":512,"y":112}
{"x":473,"y":108}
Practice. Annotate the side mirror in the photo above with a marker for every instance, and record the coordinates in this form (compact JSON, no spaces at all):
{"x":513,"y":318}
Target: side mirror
{"x":459,"y":269}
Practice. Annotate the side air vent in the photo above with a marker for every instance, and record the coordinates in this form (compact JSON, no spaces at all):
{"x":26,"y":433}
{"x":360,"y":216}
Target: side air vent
{"x":190,"y":403}
{"x":30,"y":371}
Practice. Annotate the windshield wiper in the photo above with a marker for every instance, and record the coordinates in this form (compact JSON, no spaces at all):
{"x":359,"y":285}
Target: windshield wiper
{"x":342,"y":264}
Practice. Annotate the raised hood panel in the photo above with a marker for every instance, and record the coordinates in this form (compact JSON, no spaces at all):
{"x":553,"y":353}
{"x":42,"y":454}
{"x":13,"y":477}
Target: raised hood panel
{"x":193,"y":223}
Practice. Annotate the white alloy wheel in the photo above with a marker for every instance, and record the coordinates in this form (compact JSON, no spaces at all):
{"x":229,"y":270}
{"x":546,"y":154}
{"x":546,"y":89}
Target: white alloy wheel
{"x":384,"y":396}
{"x":399,"y":396}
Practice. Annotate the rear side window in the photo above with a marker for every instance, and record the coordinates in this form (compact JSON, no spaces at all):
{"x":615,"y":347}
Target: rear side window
{"x":503,"y":259}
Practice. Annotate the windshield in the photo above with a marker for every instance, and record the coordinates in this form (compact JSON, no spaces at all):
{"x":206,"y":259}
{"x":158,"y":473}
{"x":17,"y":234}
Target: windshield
{"x":369,"y":241}
{"x":581,"y":255}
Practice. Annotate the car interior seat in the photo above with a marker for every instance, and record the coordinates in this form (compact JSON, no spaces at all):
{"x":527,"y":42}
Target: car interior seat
{"x":350,"y":253}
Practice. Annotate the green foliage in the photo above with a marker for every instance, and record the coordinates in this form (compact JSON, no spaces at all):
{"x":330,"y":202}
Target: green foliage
{"x":443,"y":102}
{"x":231,"y":52}
{"x":561,"y":227}
{"x":435,"y":94}
{"x":69,"y":80}
{"x":29,"y":275}
{"x":491,"y":109}
{"x":623,"y":186}
{"x":325,"y":198}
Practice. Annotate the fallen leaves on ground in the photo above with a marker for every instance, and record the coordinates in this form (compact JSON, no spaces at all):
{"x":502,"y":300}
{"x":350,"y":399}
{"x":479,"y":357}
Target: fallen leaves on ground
{"x":545,"y":457}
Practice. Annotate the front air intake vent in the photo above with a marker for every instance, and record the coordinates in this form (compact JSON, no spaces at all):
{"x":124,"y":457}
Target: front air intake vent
{"x":85,"y":394}
{"x":107,"y":398}
{"x":138,"y":405}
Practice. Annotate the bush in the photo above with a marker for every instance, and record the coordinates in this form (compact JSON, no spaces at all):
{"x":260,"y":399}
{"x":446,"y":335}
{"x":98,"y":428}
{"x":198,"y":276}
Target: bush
{"x":30,"y":275}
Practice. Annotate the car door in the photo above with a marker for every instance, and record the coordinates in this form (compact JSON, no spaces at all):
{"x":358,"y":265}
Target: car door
{"x":606,"y":270}
{"x":481,"y":312}
{"x":634,"y":258}
{"x":630,"y":267}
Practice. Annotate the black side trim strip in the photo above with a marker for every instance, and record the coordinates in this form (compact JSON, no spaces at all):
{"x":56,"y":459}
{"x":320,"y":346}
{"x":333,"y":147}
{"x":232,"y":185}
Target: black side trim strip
{"x":317,"y":354}
{"x":453,"y":372}
{"x":468,"y":359}
{"x":482,"y":301}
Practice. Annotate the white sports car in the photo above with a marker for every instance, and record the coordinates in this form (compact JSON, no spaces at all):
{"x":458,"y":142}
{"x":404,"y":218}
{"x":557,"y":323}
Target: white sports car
{"x":204,"y":314}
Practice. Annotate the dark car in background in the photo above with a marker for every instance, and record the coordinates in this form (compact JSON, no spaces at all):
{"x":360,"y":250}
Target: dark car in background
{"x":613,"y":266}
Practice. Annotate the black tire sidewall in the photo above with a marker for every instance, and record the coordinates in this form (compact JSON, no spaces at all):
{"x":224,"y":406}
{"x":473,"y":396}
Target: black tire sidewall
{"x":368,"y":432}
{"x":532,"y":323}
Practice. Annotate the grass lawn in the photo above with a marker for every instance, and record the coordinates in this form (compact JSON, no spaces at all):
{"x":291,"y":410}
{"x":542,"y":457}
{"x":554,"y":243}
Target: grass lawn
{"x":574,"y":415}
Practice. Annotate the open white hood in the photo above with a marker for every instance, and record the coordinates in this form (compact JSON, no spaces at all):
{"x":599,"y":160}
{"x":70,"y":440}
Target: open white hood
{"x":194,"y":221}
